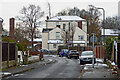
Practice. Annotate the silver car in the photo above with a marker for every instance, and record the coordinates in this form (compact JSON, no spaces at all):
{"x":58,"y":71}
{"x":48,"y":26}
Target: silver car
{"x":86,"y":57}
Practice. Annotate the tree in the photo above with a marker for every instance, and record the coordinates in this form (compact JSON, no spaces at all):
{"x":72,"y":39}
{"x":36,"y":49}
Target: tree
{"x":109,"y":41}
{"x":68,"y":34}
{"x":31,"y":16}
{"x":69,"y":12}
{"x":112,"y":23}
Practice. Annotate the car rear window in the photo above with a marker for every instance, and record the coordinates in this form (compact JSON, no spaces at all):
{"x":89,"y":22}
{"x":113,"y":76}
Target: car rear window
{"x":73,"y":51}
{"x":65,"y":50}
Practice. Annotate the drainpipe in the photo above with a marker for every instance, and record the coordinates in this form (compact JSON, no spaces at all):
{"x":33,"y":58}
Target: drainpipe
{"x":1,"y":21}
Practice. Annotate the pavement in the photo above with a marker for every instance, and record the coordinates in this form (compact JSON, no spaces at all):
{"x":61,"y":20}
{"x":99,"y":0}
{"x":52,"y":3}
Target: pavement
{"x":100,"y":70}
{"x":23,"y":68}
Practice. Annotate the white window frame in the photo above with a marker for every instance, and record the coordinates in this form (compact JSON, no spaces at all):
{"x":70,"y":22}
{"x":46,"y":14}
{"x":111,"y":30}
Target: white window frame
{"x":80,"y":37}
{"x":54,"y":45}
{"x":57,"y":35}
{"x":64,"y":26}
{"x":57,"y":23}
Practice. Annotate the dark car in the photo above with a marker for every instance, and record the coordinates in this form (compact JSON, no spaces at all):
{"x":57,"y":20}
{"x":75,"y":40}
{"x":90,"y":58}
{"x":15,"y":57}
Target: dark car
{"x":86,"y":57}
{"x":46,"y":51}
{"x":63,"y":52}
{"x":73,"y":53}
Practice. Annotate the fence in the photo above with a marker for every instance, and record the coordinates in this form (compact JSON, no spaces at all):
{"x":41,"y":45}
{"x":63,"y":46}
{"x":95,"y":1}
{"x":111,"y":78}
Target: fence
{"x":9,"y":54}
{"x":118,"y":55}
{"x":99,"y":51}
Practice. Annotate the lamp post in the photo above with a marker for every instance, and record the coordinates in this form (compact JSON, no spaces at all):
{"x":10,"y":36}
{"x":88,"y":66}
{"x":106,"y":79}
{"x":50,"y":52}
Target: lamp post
{"x":1,"y":21}
{"x":103,"y":29}
{"x":103,"y":22}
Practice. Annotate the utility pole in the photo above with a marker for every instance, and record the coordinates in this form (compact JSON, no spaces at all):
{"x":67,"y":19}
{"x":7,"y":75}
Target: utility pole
{"x":93,"y":51}
{"x":49,"y":10}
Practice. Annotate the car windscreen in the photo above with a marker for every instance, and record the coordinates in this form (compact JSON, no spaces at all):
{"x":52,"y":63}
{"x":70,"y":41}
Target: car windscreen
{"x":87,"y":53}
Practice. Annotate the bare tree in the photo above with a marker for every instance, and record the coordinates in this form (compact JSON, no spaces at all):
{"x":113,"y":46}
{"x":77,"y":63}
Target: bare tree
{"x":72,"y":32}
{"x":31,"y":16}
{"x":68,"y":34}
{"x":112,"y":23}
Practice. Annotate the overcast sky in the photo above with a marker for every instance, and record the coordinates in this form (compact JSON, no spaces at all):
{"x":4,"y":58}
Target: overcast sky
{"x":11,"y":8}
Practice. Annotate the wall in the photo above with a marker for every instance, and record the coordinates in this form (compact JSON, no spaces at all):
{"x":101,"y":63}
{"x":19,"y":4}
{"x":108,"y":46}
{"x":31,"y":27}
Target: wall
{"x":44,"y":40}
{"x":78,"y":32}
{"x":52,"y":34}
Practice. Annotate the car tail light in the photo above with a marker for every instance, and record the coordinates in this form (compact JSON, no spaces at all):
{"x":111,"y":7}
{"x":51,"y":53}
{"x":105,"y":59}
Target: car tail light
{"x":70,"y":53}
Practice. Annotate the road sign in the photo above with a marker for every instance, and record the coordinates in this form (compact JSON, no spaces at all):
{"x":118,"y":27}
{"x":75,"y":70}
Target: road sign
{"x":95,"y":39}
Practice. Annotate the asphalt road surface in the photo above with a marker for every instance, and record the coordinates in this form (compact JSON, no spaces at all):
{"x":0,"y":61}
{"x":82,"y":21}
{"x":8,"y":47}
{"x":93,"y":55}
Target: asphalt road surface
{"x":62,"y":68}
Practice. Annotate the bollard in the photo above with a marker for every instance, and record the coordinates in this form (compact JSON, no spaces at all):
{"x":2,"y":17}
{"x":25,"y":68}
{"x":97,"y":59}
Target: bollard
{"x":41,"y":55}
{"x":25,"y":60}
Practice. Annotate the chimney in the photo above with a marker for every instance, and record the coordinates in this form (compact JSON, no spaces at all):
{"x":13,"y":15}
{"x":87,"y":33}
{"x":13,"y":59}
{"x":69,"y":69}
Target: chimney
{"x":80,"y":24}
{"x":47,"y":17}
{"x":11,"y":32}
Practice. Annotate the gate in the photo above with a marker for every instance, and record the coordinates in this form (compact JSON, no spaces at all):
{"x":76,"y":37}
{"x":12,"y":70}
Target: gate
{"x":118,"y":55}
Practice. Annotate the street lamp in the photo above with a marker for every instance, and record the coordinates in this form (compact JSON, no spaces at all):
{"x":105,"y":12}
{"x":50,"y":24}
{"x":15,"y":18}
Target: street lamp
{"x":103,"y":28}
{"x":1,"y":21}
{"x":103,"y":21}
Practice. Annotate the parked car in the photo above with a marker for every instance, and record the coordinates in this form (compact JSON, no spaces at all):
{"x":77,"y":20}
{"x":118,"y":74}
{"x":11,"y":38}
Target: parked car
{"x":86,"y":57}
{"x":46,"y":51}
{"x":73,"y":53}
{"x":63,"y":52}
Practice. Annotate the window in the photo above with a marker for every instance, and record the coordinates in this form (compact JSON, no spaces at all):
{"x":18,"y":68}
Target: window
{"x":80,"y":37}
{"x":57,"y":24}
{"x":57,"y":35}
{"x":54,"y":45}
{"x":64,"y":25}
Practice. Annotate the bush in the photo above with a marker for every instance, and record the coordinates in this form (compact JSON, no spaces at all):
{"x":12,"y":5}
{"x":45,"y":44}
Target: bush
{"x":108,"y":45}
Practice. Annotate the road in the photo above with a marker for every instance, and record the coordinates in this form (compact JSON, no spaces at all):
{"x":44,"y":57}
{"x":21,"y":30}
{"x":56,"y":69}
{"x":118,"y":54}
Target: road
{"x":62,"y":68}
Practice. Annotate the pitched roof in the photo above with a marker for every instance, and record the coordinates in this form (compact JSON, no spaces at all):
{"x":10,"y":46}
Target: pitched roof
{"x":66,"y":18}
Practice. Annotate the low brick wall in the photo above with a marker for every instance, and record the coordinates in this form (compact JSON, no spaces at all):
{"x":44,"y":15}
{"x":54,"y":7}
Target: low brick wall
{"x":11,"y":64}
{"x":4,"y":64}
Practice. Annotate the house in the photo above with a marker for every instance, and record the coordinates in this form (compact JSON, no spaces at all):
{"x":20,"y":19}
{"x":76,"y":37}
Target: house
{"x":109,"y":32}
{"x":52,"y":34}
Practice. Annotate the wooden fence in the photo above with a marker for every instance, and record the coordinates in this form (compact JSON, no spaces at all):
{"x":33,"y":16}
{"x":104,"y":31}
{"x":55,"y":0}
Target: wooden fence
{"x":9,"y":54}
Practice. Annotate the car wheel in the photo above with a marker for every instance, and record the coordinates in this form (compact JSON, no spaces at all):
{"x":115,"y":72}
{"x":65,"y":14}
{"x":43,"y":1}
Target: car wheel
{"x":81,"y":63}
